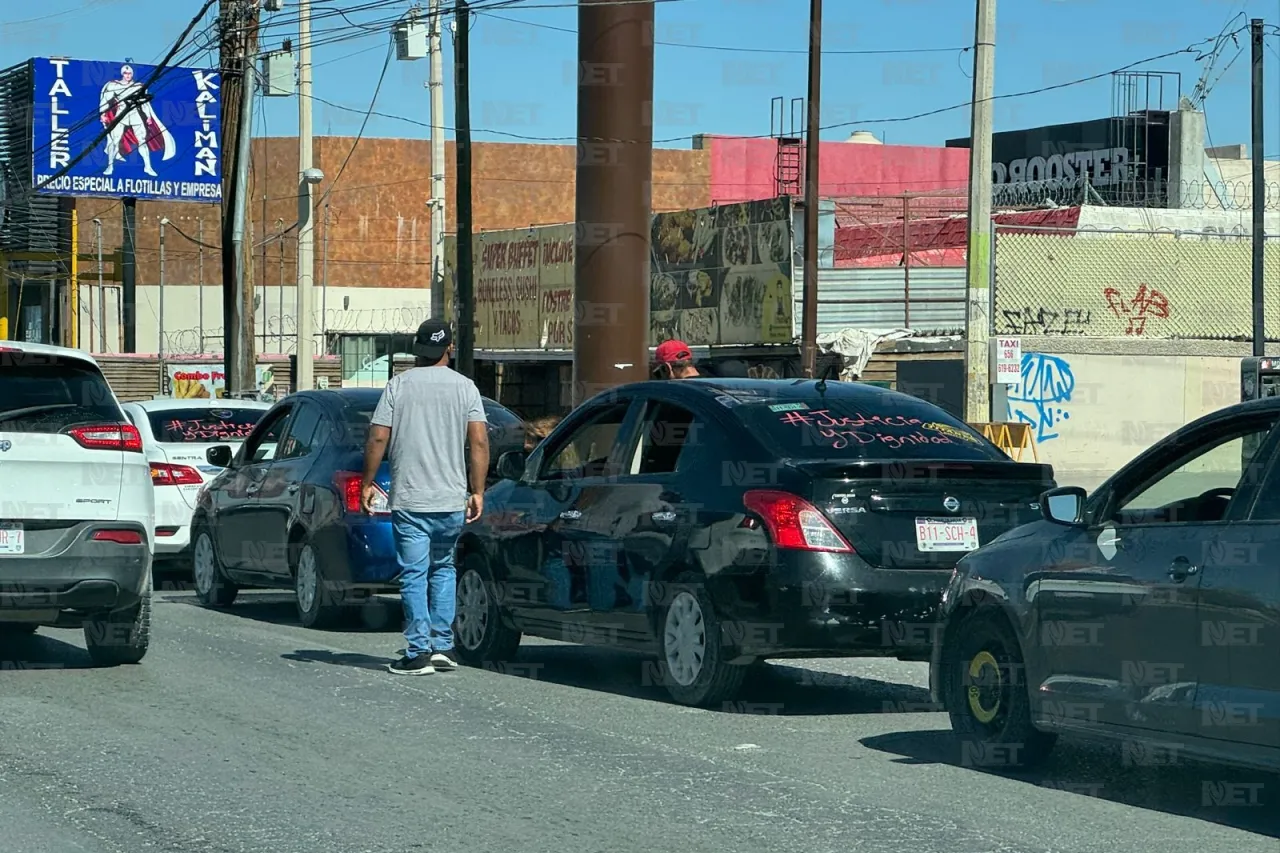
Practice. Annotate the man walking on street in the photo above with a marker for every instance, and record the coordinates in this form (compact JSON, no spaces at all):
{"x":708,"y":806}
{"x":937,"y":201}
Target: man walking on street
{"x":427,"y":417}
{"x":674,"y":360}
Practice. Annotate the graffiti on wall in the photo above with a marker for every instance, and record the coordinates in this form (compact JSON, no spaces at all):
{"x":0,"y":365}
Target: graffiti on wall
{"x":1045,"y":321}
{"x":1043,"y":396}
{"x":1147,"y":302}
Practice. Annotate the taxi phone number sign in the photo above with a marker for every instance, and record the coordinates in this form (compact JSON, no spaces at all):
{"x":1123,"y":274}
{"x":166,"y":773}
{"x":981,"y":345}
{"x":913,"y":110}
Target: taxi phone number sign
{"x":1008,"y":358}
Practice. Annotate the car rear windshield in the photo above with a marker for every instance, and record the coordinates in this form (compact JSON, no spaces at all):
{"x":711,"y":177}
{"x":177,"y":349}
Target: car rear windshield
{"x":842,"y":427}
{"x":43,"y":393}
{"x":183,"y":426}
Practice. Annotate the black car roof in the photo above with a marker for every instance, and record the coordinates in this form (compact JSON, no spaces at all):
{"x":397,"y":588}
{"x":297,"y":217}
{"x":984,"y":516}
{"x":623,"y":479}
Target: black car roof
{"x":759,"y":390}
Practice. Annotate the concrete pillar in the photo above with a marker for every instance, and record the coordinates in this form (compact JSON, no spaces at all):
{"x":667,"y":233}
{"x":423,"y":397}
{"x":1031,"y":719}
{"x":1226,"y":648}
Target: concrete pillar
{"x":614,"y":175}
{"x":1186,"y":157}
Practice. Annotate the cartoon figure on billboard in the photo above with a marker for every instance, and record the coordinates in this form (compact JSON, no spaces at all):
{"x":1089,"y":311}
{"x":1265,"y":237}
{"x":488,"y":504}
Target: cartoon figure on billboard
{"x":140,"y":128}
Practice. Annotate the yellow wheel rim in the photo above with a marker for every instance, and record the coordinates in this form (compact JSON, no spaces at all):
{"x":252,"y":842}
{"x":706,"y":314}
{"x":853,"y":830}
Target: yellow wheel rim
{"x":984,"y":713}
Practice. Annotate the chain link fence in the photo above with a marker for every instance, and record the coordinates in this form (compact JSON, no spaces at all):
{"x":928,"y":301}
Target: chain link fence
{"x":1114,"y":283}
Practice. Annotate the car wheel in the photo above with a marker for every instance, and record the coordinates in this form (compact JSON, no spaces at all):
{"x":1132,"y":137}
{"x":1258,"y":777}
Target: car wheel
{"x":480,"y":632}
{"x":122,"y":636}
{"x":988,"y":699}
{"x":692,"y":656}
{"x":212,"y":587}
{"x":317,"y":607}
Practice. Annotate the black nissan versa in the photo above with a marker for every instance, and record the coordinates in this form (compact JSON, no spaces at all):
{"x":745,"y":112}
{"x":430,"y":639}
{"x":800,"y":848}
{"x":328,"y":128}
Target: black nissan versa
{"x":716,"y":522}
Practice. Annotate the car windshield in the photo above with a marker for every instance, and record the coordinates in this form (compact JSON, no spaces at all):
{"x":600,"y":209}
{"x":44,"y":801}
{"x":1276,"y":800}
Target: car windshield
{"x":40,"y":393}
{"x":862,"y":426}
{"x":203,"y":425}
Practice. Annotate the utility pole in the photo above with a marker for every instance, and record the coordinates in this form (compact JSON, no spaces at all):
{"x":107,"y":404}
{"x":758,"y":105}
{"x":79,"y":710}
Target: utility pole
{"x":465,"y":295}
{"x":435,"y":85}
{"x":977,"y":406}
{"x":613,"y":202}
{"x":305,"y":380}
{"x":129,"y":274}
{"x":1259,"y":191}
{"x":813,"y":142}
{"x":238,"y":48}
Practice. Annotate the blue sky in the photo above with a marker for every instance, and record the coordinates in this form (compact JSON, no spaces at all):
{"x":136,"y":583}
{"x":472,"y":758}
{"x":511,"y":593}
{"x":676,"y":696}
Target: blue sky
{"x":520,"y":87}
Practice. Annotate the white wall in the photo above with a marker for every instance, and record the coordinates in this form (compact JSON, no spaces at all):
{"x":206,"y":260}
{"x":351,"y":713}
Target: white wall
{"x":1092,"y":413}
{"x":366,"y":310}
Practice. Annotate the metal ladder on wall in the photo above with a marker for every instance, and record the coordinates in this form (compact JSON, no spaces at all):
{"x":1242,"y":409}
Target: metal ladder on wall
{"x":788,"y":164}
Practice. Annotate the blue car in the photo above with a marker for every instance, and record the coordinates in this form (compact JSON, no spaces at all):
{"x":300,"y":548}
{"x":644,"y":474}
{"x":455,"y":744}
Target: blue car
{"x":285,"y":511}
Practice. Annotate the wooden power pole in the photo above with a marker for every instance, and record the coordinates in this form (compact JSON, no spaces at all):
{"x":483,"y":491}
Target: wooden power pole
{"x":238,"y":20}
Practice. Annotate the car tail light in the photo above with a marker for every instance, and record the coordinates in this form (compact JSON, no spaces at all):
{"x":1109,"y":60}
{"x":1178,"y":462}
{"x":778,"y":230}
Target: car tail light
{"x":794,"y":523}
{"x":348,"y":483}
{"x":108,"y":437}
{"x":163,"y":474}
{"x":120,"y":537}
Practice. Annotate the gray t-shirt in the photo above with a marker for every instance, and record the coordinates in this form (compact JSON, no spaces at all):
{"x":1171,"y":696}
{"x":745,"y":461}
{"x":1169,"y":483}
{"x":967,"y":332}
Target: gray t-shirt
{"x":428,"y":409}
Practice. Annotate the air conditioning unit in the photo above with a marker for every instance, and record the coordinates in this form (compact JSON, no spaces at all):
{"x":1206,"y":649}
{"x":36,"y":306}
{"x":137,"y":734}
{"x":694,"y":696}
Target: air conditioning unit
{"x":411,"y":39}
{"x":272,"y":5}
{"x":278,"y":70}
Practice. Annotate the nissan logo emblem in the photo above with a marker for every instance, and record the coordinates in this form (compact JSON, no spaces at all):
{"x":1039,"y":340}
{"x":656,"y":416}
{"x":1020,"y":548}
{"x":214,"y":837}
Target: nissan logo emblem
{"x":951,"y":504}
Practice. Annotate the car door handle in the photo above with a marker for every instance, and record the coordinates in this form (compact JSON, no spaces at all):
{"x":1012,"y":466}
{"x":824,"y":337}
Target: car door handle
{"x":1181,"y":569}
{"x":570,"y":515}
{"x":665,"y":516}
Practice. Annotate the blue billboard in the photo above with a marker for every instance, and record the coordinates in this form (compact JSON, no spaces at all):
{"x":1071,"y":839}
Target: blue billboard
{"x":165,"y":144}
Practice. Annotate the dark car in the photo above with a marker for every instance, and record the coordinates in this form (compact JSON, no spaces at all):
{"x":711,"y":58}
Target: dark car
{"x":716,"y":522}
{"x":286,"y":511}
{"x":1148,"y":612}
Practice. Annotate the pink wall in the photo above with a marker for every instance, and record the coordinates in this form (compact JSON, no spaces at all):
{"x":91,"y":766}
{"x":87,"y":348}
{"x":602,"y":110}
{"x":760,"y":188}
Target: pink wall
{"x":743,"y":169}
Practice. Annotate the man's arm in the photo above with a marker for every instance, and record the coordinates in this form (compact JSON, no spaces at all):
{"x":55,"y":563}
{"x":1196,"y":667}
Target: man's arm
{"x":375,"y":448}
{"x":478,"y":448}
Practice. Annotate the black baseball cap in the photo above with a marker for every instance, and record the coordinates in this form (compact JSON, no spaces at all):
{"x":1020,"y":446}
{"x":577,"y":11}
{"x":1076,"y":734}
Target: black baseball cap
{"x":433,"y":340}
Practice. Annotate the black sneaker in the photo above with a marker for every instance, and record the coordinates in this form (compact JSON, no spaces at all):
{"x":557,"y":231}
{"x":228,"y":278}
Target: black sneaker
{"x":421,"y":665}
{"x":445,"y":661}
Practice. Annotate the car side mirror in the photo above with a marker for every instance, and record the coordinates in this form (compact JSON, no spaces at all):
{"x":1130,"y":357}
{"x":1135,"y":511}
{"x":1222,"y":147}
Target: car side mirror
{"x":511,"y":465}
{"x":219,"y":455}
{"x":1064,"y":505}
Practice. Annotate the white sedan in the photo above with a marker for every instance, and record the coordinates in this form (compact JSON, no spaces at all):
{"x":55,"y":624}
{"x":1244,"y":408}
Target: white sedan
{"x":175,"y":435}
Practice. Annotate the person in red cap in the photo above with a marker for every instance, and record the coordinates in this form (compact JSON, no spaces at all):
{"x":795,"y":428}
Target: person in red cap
{"x":674,"y":360}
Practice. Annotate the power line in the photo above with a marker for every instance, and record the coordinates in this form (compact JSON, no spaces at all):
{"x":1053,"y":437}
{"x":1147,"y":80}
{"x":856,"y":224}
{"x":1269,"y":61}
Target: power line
{"x":732,"y":49}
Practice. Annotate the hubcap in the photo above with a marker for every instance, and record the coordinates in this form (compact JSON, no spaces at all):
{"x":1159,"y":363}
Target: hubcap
{"x":473,"y":609}
{"x":202,"y":564}
{"x":684,"y":639}
{"x":308,"y":578}
{"x":985,"y":687}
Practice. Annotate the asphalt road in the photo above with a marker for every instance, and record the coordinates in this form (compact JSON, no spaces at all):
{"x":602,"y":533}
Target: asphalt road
{"x":243,"y":732}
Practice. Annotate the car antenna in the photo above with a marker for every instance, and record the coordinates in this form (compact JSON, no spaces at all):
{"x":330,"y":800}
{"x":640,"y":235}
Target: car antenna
{"x":826,"y":374}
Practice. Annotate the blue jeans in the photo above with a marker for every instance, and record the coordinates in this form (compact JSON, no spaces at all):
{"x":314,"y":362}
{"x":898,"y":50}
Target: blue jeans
{"x":425,"y":544}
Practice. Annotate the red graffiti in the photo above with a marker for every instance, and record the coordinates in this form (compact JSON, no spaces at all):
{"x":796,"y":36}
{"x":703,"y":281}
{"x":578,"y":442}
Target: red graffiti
{"x":1147,"y":302}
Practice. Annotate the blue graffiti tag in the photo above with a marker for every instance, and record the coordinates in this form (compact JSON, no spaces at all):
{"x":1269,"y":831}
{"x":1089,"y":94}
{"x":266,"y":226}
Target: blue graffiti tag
{"x":1040,"y":398}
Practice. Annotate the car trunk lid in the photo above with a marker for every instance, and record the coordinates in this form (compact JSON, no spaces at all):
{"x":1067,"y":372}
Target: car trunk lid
{"x":923,"y":514}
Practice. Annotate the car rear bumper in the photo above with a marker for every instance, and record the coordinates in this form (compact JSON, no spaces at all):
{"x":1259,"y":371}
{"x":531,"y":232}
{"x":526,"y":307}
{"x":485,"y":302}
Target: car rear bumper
{"x":172,"y":541}
{"x":360,"y":551}
{"x":818,"y":604}
{"x":76,"y":573}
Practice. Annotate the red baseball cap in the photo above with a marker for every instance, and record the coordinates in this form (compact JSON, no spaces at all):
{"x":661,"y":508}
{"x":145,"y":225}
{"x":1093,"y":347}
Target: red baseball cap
{"x":669,"y":352}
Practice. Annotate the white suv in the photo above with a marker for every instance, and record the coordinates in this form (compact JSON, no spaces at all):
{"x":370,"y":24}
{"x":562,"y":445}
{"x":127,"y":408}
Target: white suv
{"x":176,"y":433}
{"x":77,"y":508}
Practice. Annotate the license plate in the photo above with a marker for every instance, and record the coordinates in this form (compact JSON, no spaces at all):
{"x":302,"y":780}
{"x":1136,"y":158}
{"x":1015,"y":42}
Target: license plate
{"x":947,"y":534}
{"x":11,"y":541}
